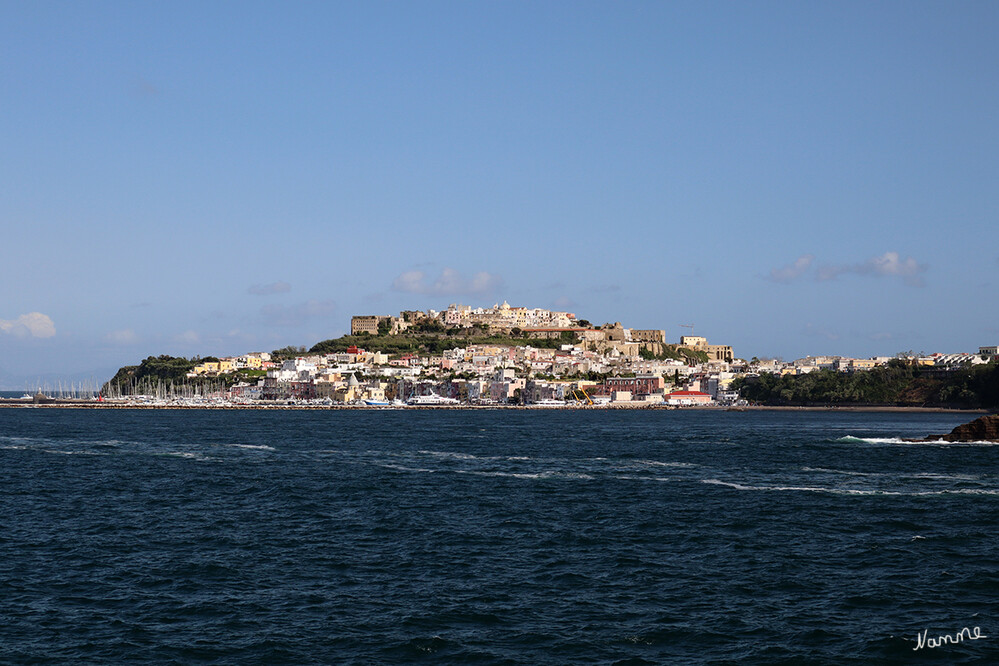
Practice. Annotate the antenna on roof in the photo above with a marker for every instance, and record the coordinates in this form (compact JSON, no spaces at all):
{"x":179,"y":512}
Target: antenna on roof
{"x":690,"y":326}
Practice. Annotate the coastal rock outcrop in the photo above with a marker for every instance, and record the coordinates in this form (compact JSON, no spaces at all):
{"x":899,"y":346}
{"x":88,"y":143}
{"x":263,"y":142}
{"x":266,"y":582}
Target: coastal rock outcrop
{"x":984,"y":429}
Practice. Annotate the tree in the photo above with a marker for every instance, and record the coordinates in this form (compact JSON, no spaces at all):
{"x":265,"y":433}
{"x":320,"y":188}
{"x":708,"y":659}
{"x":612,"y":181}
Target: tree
{"x":384,"y":326}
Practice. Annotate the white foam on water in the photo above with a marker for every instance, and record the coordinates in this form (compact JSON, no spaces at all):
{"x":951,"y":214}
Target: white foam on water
{"x":449,"y":454}
{"x":825,"y":470}
{"x":962,"y":491}
{"x":573,"y":475}
{"x":526,"y":475}
{"x":907,"y":442}
{"x":114,"y":443}
{"x":403,"y":468}
{"x":920,"y":475}
{"x":943,"y":477}
{"x":73,"y":453}
{"x":260,"y":447}
{"x":456,"y":455}
{"x":871,"y":440}
{"x":657,"y":463}
{"x":186,"y":454}
{"x":855,"y":491}
{"x":813,"y":489}
{"x":624,"y":477}
{"x":24,"y":440}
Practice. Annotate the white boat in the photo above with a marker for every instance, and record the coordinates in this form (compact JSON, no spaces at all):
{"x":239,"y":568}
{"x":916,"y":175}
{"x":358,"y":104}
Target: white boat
{"x":377,"y":403}
{"x":431,"y":399}
{"x":548,"y":402}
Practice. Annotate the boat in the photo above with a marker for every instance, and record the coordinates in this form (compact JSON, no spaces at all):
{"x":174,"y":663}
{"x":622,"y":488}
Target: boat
{"x":377,"y":403}
{"x":431,"y":399}
{"x":548,"y":402}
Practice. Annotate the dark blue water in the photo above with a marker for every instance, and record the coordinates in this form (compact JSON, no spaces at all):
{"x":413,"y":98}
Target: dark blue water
{"x":493,"y":537}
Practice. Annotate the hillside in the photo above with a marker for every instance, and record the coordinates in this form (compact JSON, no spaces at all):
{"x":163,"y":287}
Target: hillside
{"x":435,"y":343}
{"x":898,"y":383}
{"x":158,"y":371}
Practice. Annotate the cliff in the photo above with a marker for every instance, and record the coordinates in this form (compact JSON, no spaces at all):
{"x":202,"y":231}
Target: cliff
{"x":984,"y":429}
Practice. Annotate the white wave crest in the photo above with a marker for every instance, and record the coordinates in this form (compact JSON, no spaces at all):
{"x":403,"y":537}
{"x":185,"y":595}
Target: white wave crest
{"x":825,"y":470}
{"x":449,"y":454}
{"x":73,"y":453}
{"x":625,"y":477}
{"x":850,"y":439}
{"x":856,"y":491}
{"x":186,"y":455}
{"x":943,"y":477}
{"x":260,"y":447}
{"x":658,"y":463}
{"x":530,"y":475}
{"x":403,"y":468}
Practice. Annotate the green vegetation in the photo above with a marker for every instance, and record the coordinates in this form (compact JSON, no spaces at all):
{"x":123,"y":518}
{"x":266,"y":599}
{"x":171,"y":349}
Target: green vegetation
{"x":151,"y":372}
{"x":897,"y":383}
{"x":408,"y":343}
{"x":676,"y":353}
{"x":167,"y":368}
{"x":158,"y":373}
{"x":286,"y":353}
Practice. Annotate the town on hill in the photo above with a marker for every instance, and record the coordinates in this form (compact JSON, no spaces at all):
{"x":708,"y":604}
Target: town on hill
{"x":504,"y":355}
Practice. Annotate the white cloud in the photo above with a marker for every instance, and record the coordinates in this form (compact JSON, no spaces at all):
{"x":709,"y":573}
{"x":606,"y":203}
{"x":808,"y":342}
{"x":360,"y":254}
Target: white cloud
{"x":268,"y":289}
{"x":410,"y":282}
{"x":793,"y":271}
{"x":449,"y":283}
{"x":33,"y":324}
{"x":189,"y":337}
{"x":890,"y":264}
{"x":125,"y":336}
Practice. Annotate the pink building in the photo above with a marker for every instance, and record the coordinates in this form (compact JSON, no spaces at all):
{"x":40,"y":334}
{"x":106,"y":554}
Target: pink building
{"x":687,"y":398}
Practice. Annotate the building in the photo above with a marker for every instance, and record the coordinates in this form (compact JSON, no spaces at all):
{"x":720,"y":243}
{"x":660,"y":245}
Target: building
{"x":714,"y":352}
{"x":637,"y":386}
{"x":685,"y":398}
{"x":648,"y":335}
{"x":361,"y":324}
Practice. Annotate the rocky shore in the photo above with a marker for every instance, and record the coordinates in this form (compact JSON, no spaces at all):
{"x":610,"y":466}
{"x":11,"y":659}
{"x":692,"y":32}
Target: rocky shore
{"x":983,"y":429}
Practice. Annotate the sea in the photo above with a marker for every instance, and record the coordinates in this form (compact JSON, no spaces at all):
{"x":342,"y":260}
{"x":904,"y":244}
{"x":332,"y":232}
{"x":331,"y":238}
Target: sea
{"x":494,"y":537}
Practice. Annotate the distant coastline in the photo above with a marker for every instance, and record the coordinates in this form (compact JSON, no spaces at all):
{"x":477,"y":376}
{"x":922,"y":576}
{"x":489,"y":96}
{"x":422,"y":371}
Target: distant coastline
{"x":85,"y":404}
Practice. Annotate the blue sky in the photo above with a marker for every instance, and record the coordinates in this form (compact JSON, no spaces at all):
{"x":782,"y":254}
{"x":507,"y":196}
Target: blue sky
{"x":216,"y":178}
